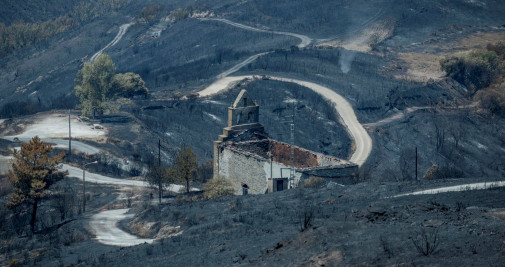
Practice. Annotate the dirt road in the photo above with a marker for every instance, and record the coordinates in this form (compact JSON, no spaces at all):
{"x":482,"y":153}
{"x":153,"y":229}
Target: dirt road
{"x":53,"y":127}
{"x":106,"y":231}
{"x":456,"y":188}
{"x":122,"y":30}
{"x":362,"y":141}
{"x":103,"y":224}
{"x":101,"y":179}
{"x":304,"y":40}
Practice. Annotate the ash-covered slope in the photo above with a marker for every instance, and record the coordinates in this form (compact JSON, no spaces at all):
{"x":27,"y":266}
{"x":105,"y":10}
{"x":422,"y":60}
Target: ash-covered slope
{"x":345,"y":226}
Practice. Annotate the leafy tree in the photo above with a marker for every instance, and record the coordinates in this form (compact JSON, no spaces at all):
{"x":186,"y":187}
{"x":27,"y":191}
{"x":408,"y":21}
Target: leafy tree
{"x":475,"y":69}
{"x":93,"y":84}
{"x":158,"y":177}
{"x":97,"y":87}
{"x":32,"y":173}
{"x":218,"y":187}
{"x":128,"y":85}
{"x":185,"y":165}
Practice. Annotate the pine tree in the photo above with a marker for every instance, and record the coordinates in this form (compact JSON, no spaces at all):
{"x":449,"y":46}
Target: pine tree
{"x":32,"y":173}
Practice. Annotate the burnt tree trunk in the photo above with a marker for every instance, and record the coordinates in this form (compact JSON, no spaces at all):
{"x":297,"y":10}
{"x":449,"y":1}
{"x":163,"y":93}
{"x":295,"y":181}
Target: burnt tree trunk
{"x":34,"y":215}
{"x":160,"y":192}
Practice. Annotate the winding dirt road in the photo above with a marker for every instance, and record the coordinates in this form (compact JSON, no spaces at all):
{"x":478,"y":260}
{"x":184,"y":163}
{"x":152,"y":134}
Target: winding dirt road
{"x":362,"y":141}
{"x":104,"y":224}
{"x":305,"y":40}
{"x":122,"y":30}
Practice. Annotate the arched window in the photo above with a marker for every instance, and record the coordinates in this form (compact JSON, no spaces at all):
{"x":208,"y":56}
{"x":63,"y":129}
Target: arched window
{"x":245,"y":189}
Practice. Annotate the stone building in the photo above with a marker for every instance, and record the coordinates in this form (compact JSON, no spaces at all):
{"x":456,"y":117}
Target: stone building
{"x":257,"y":164}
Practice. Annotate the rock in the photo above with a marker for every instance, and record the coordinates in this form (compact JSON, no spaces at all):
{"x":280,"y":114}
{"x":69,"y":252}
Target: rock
{"x":333,"y":185}
{"x":432,"y":223}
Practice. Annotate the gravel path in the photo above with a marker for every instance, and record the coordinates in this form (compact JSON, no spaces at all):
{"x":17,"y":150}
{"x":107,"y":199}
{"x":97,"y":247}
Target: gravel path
{"x":107,"y":232}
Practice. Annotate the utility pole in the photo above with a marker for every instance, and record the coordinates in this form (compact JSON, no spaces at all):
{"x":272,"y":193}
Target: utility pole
{"x":69,"y":136}
{"x":83,"y":190}
{"x":292,"y":149}
{"x":291,"y":146}
{"x":159,"y":152}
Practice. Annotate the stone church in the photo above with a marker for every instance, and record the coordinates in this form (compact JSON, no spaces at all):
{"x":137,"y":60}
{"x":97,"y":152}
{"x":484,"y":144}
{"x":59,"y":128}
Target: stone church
{"x":257,"y":164}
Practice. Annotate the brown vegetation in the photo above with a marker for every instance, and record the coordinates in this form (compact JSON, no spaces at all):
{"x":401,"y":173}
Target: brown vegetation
{"x":482,"y":72}
{"x":151,"y":13}
{"x":32,"y":174}
{"x":218,"y":187}
{"x":313,"y":182}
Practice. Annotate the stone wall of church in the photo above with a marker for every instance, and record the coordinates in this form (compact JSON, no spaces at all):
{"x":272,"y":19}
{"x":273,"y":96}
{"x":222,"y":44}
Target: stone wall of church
{"x":243,"y":169}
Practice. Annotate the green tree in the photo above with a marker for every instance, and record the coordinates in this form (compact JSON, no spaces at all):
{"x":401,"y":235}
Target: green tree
{"x":218,"y":187}
{"x":475,"y":69}
{"x":185,"y":165}
{"x":32,"y":173}
{"x":128,"y":85}
{"x":93,"y":84}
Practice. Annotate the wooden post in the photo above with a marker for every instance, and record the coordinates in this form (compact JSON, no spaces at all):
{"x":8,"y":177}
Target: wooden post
{"x":69,"y":136}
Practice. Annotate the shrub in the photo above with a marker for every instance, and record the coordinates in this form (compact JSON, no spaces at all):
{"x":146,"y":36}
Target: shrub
{"x":14,"y":262}
{"x":435,"y":172}
{"x":474,"y":69}
{"x":498,"y":48}
{"x":313,"y":182}
{"x":493,"y":99}
{"x":218,"y":187}
{"x":426,"y":243}
{"x":432,"y":173}
{"x":178,"y":14}
{"x":128,"y":85}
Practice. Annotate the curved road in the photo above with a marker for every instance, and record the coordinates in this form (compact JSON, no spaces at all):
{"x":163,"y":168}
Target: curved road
{"x":305,"y":40}
{"x":106,"y":231}
{"x":362,"y":141}
{"x":101,"y":179}
{"x":61,"y":143}
{"x":456,"y":188}
{"x":122,"y":30}
{"x":104,"y":223}
{"x":241,"y":65}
